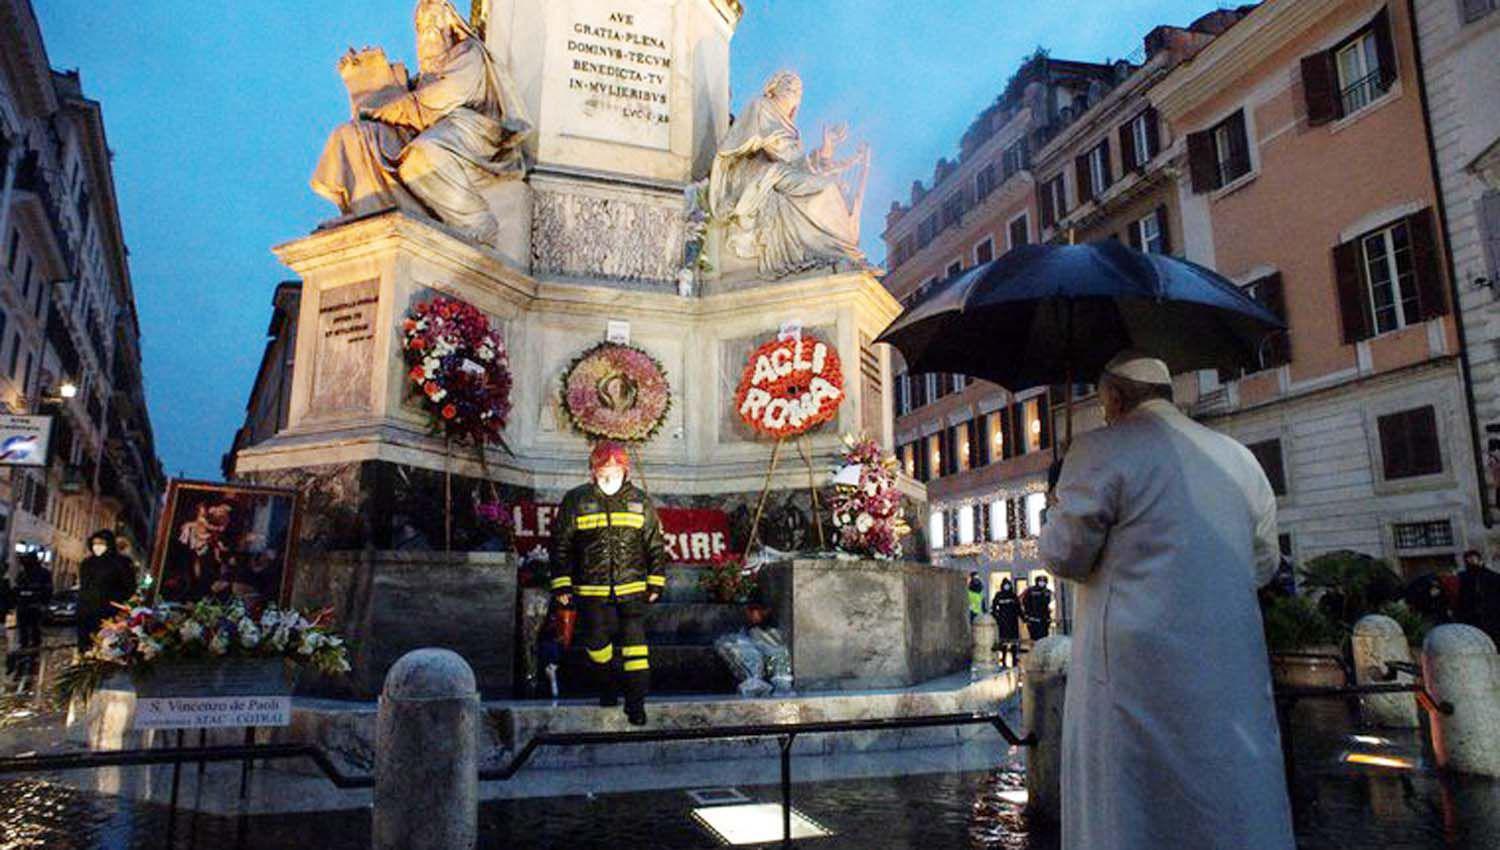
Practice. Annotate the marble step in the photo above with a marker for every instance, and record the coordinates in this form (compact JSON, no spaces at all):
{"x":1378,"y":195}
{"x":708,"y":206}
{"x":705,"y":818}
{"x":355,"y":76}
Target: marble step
{"x":675,"y":669}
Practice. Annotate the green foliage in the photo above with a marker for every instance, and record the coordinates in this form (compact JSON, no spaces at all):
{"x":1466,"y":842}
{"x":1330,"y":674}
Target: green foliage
{"x":1352,"y":584}
{"x":727,"y":580}
{"x":1294,"y":623}
{"x":1412,"y":623}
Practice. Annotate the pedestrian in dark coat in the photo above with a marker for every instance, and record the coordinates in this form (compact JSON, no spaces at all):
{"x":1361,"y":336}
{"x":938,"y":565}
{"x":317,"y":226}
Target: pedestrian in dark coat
{"x":1036,"y":607}
{"x":104,"y":578}
{"x":1479,"y":596}
{"x":1005,"y":607}
{"x":33,"y":592}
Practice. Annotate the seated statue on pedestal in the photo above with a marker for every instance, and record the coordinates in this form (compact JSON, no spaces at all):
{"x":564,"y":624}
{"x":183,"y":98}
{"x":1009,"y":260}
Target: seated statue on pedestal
{"x":432,"y":144}
{"x":783,"y":209}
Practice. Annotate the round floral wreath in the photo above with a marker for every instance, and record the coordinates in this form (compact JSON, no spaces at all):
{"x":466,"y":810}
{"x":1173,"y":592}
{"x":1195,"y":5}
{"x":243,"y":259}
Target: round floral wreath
{"x":790,"y":386}
{"x":616,"y":392}
{"x":458,"y":364}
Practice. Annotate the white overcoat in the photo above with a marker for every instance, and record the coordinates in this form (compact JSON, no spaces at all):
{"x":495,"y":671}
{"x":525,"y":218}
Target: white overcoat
{"x":1169,"y":727}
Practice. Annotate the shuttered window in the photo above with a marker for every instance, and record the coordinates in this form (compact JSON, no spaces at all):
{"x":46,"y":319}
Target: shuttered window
{"x":1268,"y":291}
{"x":1268,"y":452}
{"x":1409,"y":443}
{"x":984,"y":181}
{"x":984,"y":251}
{"x":1018,"y":233}
{"x":1220,"y":155}
{"x":1390,"y":278}
{"x":1488,"y":216}
{"x":1052,"y":198}
{"x":1476,"y":9}
{"x":1139,"y":140}
{"x":1149,"y":233}
{"x":1352,"y":74}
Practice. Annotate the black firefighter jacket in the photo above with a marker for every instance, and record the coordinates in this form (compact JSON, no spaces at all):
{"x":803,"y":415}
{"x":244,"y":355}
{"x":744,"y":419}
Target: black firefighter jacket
{"x":608,"y":546}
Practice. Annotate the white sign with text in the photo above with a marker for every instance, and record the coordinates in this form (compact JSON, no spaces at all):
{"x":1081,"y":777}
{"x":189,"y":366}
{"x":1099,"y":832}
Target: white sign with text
{"x":212,"y":712}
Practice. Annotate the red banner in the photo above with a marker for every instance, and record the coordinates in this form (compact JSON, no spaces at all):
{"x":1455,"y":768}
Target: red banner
{"x":694,"y":535}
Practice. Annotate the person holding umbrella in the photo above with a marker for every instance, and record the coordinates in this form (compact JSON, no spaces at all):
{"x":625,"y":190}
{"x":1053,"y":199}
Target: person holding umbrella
{"x":1168,"y":528}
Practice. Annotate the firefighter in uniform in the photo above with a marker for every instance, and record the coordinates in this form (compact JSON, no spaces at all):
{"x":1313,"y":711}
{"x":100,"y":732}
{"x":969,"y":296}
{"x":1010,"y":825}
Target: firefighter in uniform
{"x":609,"y":553}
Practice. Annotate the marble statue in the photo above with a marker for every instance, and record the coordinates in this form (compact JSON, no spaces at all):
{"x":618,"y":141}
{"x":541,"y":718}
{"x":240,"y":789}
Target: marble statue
{"x":784,"y":209}
{"x":430,"y":144}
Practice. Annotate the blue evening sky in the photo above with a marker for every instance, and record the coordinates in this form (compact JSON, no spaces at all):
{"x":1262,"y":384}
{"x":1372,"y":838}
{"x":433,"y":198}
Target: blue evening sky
{"x":216,"y":113}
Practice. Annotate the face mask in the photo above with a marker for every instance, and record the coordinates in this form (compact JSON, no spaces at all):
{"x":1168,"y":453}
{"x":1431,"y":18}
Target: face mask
{"x":100,"y":549}
{"x":611,"y":482}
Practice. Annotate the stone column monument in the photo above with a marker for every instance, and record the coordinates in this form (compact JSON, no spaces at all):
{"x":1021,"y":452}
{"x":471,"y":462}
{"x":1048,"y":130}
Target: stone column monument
{"x":567,"y":167}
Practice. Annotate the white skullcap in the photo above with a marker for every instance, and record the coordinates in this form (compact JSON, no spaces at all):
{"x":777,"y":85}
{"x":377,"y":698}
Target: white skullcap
{"x":1133,"y":365}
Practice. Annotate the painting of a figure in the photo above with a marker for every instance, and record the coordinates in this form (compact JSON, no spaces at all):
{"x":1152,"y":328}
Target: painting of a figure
{"x":224,"y":541}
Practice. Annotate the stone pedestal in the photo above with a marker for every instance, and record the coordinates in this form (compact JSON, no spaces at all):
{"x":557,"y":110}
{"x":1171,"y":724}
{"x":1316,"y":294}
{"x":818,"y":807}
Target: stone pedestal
{"x":427,"y":755}
{"x":390,"y":603}
{"x":1042,"y":698}
{"x":1460,"y":666}
{"x":984,"y":661}
{"x":1377,"y":641}
{"x":869,"y":624}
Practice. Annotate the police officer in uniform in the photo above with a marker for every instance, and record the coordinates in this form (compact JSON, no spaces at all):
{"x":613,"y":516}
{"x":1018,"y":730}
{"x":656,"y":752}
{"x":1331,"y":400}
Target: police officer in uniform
{"x":608,"y":552}
{"x":1036,"y":608}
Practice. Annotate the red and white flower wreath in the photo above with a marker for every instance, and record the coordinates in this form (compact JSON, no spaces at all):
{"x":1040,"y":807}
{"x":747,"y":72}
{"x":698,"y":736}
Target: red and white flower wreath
{"x":791,"y":386}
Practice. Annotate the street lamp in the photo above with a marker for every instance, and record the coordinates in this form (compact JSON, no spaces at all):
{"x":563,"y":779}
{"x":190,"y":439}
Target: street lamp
{"x":68,"y":390}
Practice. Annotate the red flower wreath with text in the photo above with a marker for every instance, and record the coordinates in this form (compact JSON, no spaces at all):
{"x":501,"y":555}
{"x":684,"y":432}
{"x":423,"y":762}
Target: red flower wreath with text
{"x":791,"y":386}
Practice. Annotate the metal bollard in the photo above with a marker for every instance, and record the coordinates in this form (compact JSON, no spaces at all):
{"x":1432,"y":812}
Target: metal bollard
{"x":1042,"y":714}
{"x":1377,"y":641}
{"x":427,"y":755}
{"x":1459,"y":666}
{"x":985,"y":662}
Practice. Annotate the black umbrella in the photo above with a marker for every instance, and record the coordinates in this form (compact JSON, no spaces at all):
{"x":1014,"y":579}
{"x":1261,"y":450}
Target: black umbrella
{"x":1055,"y":314}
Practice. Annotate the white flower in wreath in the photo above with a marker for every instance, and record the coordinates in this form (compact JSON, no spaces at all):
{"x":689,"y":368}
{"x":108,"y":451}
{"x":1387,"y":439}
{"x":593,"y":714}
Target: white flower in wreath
{"x":864,"y":523}
{"x":190,"y":632}
{"x":430,"y":367}
{"x":249,"y":634}
{"x":219,"y":645}
{"x":150,"y":649}
{"x":439,"y":394}
{"x":486,"y":353}
{"x":310,"y":643}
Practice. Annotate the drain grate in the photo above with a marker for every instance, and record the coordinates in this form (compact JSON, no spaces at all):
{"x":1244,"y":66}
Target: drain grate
{"x":717,"y":796}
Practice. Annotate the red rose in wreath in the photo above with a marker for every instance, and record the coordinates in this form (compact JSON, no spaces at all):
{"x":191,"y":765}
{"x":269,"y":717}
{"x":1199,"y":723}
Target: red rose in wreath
{"x":791,"y":386}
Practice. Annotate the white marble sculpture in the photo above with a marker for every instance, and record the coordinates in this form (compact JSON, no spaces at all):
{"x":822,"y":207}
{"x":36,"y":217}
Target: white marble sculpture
{"x":431,"y":144}
{"x":785,"y":210}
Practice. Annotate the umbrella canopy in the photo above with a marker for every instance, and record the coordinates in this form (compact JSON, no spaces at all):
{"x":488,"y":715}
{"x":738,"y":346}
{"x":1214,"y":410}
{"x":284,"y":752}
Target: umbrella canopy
{"x":1051,"y":314}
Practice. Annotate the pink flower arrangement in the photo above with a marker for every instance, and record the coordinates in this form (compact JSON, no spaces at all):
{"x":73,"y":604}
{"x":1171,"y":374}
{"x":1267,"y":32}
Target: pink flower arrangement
{"x":616,"y":392}
{"x":459,"y":366}
{"x":868,"y":517}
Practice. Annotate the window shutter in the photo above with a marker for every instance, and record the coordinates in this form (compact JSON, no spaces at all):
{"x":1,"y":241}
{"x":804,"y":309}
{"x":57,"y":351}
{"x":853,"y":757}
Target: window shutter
{"x":1320,"y":88}
{"x":1153,"y":136}
{"x":1488,"y":215}
{"x":981,"y":449}
{"x":1133,"y":233}
{"x":1018,"y":428}
{"x":1008,"y":440}
{"x":1272,"y":295}
{"x":1202,"y":164}
{"x":1393,"y":454}
{"x":1239,"y":144}
{"x":1127,"y":145}
{"x":1044,"y":200}
{"x":1010,"y":520}
{"x":1109,"y":176}
{"x":1161,"y":227}
{"x":1085,"y":183}
{"x":1044,"y":415}
{"x":1385,"y":48}
{"x":1432,"y":297}
{"x":1476,"y":9}
{"x":974,"y":443}
{"x":1426,"y":457}
{"x":1353,"y":311}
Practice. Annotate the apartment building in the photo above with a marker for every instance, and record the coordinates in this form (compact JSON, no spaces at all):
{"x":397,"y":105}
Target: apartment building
{"x":67,"y":314}
{"x":1459,"y":42}
{"x":1305,"y":177}
{"x":1070,"y":150}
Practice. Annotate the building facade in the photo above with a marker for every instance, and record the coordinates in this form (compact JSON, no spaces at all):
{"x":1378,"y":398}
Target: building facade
{"x":271,"y":394}
{"x":1069,"y":151}
{"x":1459,"y":41}
{"x":1304,"y":177}
{"x":67,"y":314}
{"x":1284,"y":144}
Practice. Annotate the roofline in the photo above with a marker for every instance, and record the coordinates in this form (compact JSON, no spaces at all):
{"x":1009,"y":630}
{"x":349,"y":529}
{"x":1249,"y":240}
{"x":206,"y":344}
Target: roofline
{"x":28,"y":68}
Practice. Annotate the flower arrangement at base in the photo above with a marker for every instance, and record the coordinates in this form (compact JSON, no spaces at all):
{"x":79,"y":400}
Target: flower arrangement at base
{"x":143,"y":637}
{"x":459,"y":366}
{"x":868,"y":517}
{"x":790,"y":386}
{"x":727,"y":579}
{"x":616,"y":392}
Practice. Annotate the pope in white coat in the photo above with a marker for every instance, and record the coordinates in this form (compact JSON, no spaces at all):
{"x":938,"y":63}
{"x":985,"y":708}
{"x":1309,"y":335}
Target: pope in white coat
{"x":1169,"y":727}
